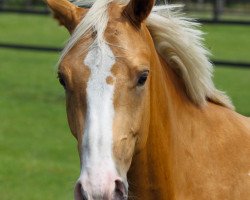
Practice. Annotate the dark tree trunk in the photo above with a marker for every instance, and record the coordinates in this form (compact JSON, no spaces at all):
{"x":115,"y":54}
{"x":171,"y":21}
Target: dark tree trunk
{"x":218,"y":8}
{"x":1,"y":3}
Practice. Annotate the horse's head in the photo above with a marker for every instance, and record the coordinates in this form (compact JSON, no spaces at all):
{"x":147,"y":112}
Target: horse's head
{"x":105,"y":72}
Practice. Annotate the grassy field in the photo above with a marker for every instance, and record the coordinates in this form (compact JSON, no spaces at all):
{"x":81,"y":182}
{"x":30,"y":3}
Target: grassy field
{"x":31,"y":29}
{"x":228,"y":42}
{"x":38,"y":157}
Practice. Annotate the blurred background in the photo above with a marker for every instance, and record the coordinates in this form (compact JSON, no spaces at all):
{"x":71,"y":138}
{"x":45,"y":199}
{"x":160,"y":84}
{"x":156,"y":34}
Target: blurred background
{"x":38,"y":156}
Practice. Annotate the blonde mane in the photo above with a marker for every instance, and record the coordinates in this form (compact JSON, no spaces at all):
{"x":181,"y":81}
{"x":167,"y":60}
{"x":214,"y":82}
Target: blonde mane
{"x":177,"y":40}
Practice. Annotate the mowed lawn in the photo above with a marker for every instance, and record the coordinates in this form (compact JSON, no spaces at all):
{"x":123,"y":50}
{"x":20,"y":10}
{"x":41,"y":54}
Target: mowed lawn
{"x":231,"y":43}
{"x":38,"y":156}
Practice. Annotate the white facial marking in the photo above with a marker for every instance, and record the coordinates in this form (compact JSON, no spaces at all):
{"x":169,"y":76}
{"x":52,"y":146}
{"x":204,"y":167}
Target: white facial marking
{"x":98,"y":135}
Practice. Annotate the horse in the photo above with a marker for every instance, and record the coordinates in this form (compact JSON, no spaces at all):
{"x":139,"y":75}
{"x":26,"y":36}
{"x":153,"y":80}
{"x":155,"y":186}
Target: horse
{"x":142,"y":105}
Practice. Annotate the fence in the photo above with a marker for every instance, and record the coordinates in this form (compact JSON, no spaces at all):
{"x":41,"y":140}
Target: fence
{"x":216,"y":11}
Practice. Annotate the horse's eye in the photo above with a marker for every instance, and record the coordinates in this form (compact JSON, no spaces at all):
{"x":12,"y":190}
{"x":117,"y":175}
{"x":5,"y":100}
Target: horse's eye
{"x":143,"y":78}
{"x":61,"y":80}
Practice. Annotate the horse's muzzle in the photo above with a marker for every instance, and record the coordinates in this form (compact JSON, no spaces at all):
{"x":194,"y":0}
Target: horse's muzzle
{"x":120,"y":192}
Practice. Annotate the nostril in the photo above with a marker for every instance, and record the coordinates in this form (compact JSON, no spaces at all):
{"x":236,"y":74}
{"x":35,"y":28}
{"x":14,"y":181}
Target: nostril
{"x":120,"y":190}
{"x":80,"y":194}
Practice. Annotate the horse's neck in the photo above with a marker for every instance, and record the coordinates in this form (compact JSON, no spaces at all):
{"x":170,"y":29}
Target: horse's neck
{"x":187,"y":144}
{"x":150,"y":170}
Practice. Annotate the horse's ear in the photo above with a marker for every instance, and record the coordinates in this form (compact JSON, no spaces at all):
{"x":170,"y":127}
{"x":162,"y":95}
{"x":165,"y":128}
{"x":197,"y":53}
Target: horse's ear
{"x":138,"y":10}
{"x":66,"y":13}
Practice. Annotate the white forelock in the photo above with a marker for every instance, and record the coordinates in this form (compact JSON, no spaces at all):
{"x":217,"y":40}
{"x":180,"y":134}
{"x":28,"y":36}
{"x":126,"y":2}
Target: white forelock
{"x":176,"y":38}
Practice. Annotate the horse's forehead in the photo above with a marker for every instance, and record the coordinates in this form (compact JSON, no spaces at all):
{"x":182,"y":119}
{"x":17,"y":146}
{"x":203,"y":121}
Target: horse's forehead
{"x":100,"y":60}
{"x":122,"y":40}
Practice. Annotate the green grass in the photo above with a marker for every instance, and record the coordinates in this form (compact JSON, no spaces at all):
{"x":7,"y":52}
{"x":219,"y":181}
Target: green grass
{"x":31,"y":29}
{"x":228,"y":42}
{"x":38,"y":156}
{"x":236,"y":83}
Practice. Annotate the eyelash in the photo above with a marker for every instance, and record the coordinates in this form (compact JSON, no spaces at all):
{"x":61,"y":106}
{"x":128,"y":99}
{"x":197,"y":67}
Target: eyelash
{"x":142,"y":78}
{"x":61,"y":80}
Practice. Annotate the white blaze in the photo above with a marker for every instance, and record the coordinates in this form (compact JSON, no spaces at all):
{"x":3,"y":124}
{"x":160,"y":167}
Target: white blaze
{"x":98,"y":135}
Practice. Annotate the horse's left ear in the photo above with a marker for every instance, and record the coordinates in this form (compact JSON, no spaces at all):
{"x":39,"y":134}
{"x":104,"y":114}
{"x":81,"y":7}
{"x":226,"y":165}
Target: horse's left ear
{"x":138,"y":10}
{"x":66,"y":13}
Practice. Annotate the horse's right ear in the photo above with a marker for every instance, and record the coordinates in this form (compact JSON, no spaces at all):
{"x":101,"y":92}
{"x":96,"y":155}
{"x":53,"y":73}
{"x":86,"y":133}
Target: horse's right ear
{"x":66,"y":13}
